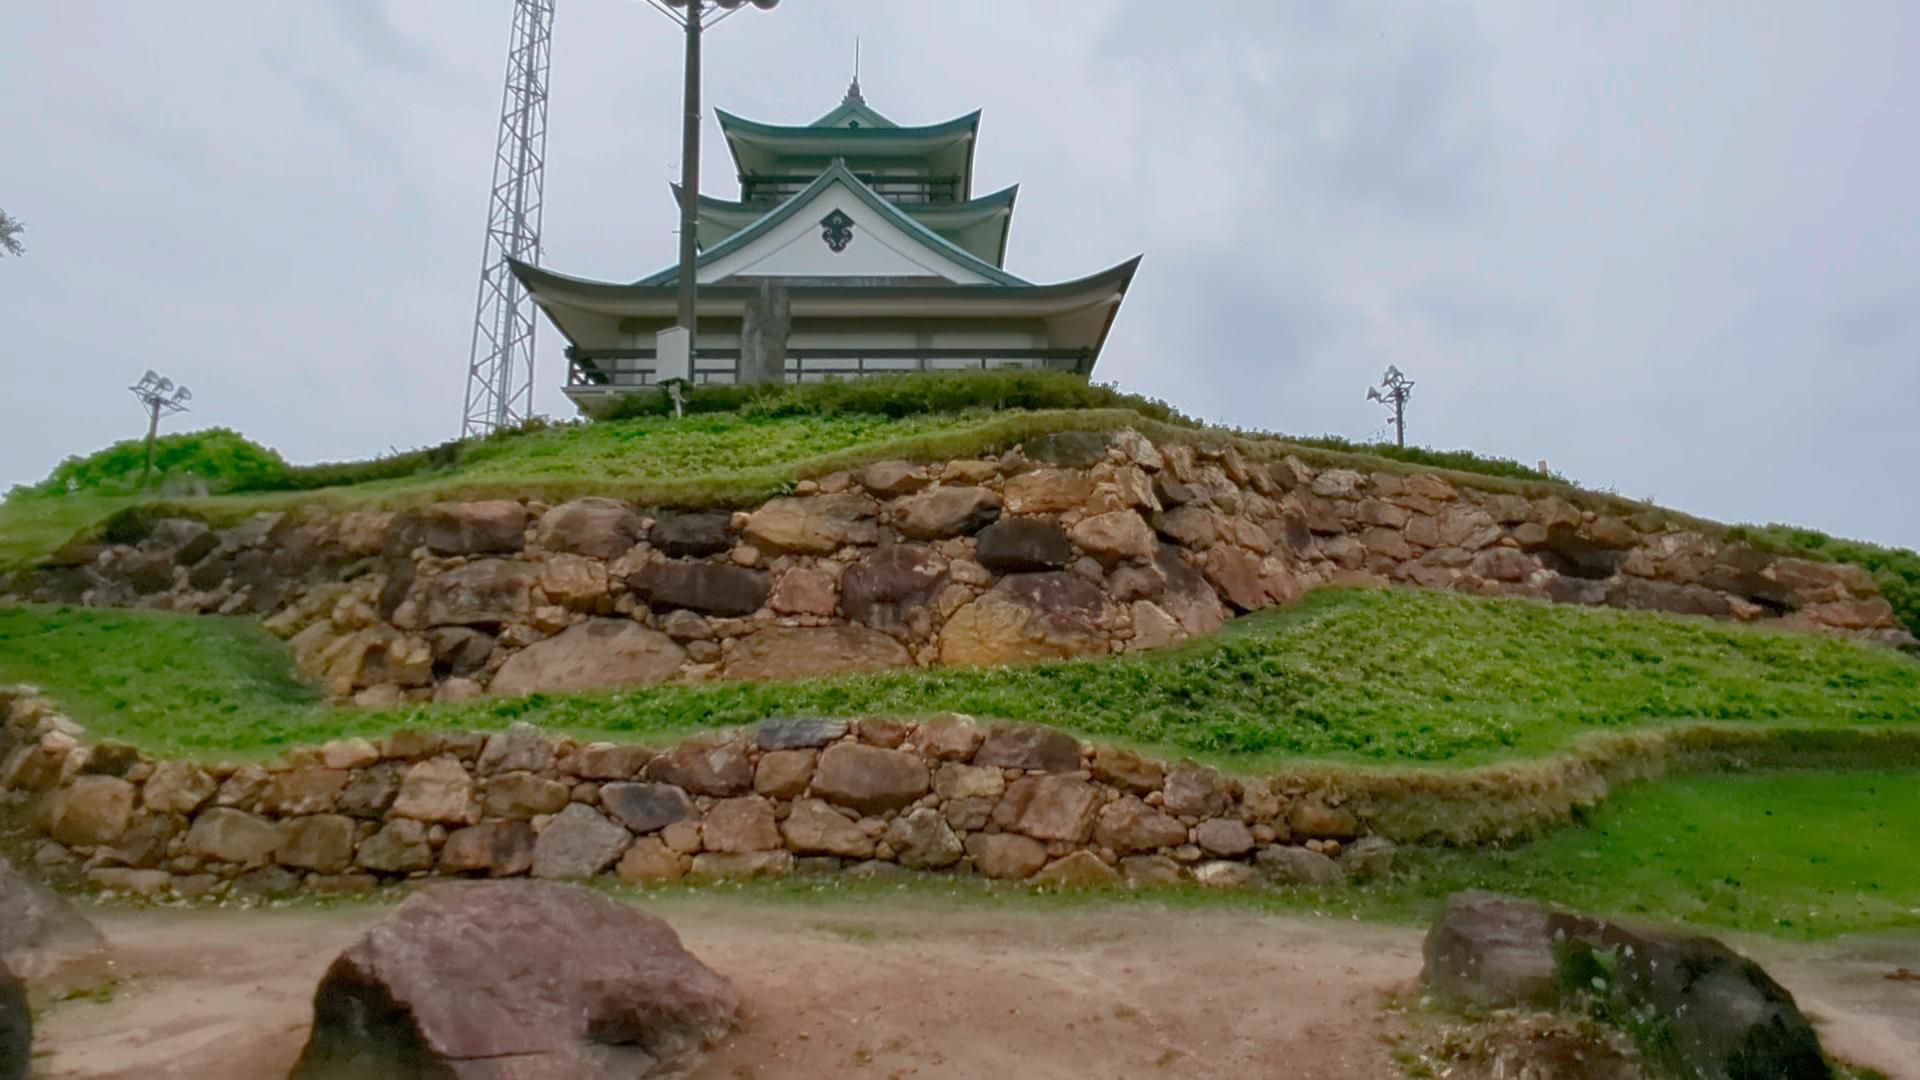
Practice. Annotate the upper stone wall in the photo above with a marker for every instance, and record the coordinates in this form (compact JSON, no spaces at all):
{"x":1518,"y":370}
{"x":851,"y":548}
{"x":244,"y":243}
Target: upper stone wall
{"x":1075,"y":544}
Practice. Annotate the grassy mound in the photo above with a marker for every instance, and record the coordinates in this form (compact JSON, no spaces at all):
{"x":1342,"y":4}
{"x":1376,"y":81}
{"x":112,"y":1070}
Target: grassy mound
{"x":737,"y":445}
{"x":710,"y":459}
{"x":1375,"y":677}
{"x":220,"y":459}
{"x":742,"y":444}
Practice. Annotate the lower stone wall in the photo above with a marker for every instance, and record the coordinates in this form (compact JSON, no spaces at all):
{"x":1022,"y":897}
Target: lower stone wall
{"x":795,"y":796}
{"x":1074,"y":544}
{"x":799,"y":796}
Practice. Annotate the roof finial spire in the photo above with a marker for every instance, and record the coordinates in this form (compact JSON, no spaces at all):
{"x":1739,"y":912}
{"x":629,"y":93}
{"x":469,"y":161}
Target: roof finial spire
{"x":854,"y":96}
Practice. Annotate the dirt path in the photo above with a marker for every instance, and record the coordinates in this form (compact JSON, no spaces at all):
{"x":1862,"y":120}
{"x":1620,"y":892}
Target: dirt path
{"x":1844,"y":988}
{"x":914,"y":987}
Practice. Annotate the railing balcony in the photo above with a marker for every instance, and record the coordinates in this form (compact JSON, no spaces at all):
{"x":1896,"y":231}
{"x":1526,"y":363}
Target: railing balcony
{"x":617,"y":369}
{"x":773,"y":188}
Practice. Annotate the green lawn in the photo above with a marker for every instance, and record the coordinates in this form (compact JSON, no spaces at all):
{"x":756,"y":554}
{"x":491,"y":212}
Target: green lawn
{"x":30,"y":529}
{"x":1377,"y":677}
{"x":1791,"y":854}
{"x":652,"y":449}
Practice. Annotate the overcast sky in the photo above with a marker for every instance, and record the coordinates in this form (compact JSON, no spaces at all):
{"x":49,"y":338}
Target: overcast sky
{"x":1673,"y":249}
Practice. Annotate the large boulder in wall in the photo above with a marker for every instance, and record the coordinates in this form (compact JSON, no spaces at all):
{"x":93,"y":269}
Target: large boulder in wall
{"x":592,"y":655}
{"x":505,"y":980}
{"x":1028,"y":617}
{"x":712,"y":588}
{"x":483,"y":592}
{"x":595,"y":527}
{"x":489,"y":527}
{"x":804,"y":652}
{"x":946,"y":511}
{"x":814,"y":525}
{"x":886,"y":587}
{"x":1023,"y":545}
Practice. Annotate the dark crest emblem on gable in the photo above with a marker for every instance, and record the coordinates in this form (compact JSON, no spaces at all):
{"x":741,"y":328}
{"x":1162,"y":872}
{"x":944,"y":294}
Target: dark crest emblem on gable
{"x":837,"y":230}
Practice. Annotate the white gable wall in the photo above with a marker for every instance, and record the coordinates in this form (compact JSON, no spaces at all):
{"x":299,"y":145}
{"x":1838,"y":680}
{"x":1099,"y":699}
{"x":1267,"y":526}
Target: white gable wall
{"x":880,"y":248}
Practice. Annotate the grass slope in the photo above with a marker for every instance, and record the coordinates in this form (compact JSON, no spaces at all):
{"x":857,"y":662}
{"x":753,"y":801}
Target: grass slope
{"x":1791,"y":854}
{"x":1801,"y":853}
{"x":718,"y":459}
{"x":33,"y":528}
{"x":741,"y":444}
{"x":1377,"y":677}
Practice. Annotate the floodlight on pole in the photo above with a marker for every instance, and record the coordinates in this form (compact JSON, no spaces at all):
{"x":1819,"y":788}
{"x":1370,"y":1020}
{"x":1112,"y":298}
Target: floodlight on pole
{"x":160,"y":397}
{"x":1394,"y":390}
{"x":692,"y":16}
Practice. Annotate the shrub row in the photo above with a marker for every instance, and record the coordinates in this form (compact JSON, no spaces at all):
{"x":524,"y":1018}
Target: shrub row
{"x":221,"y":459}
{"x":1458,"y":460}
{"x":906,"y":394}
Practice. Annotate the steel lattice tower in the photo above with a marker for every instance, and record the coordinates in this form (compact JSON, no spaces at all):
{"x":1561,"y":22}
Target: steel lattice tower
{"x":500,"y":363}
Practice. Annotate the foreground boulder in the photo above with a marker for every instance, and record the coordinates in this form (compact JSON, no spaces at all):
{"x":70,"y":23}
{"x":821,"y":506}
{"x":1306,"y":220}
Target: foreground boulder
{"x":16,"y":1028}
{"x":40,"y":933}
{"x":504,"y":980}
{"x":1492,"y":951}
{"x":1722,"y":1015}
{"x":1699,"y":1008}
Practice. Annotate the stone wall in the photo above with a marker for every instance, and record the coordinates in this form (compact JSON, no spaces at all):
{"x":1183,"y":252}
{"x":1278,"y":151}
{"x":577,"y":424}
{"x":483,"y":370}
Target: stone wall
{"x":801,"y":796}
{"x":793,"y":796}
{"x":1075,"y":544}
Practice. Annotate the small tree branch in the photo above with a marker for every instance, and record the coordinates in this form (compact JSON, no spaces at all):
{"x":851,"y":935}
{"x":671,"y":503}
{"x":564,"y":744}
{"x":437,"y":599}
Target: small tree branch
{"x":10,"y":231}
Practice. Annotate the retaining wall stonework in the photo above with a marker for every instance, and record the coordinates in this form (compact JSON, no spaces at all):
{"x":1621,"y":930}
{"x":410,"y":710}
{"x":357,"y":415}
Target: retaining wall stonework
{"x":794,"y":796}
{"x":790,"y":796}
{"x":1075,"y":544}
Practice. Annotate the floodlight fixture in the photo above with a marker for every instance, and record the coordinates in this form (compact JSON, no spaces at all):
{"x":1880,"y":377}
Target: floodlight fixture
{"x":1394,"y":390}
{"x":160,"y":397}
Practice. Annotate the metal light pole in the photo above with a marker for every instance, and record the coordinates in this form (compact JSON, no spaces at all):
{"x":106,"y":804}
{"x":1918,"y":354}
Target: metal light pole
{"x":1398,"y":389}
{"x":690,"y":174}
{"x":693,"y":16}
{"x":161,"y":398}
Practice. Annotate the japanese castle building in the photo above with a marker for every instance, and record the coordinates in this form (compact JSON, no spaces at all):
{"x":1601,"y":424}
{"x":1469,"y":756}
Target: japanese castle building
{"x":857,"y":246}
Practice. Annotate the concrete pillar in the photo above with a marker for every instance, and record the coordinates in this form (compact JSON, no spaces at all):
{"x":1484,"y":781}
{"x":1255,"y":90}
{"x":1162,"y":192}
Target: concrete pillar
{"x":763,"y":334}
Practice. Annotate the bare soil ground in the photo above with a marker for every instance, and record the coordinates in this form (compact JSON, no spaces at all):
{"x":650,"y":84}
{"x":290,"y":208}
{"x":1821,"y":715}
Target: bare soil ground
{"x":914,"y":987}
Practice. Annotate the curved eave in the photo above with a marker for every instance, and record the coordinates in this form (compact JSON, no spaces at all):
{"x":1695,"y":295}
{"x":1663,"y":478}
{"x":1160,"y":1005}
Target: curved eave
{"x":735,"y":126}
{"x":728,"y":216}
{"x":838,"y":173}
{"x":945,"y":218}
{"x":564,"y":287}
{"x":776,"y":141}
{"x":1093,"y":300}
{"x":925,"y":211}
